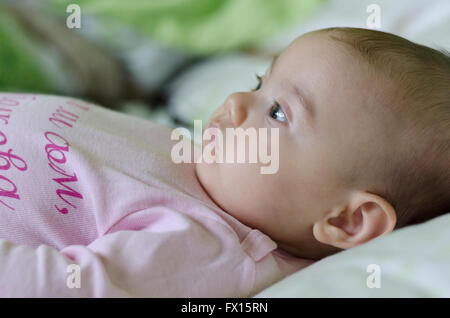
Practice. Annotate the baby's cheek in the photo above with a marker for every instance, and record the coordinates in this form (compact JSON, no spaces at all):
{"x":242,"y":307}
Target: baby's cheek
{"x":244,"y":186}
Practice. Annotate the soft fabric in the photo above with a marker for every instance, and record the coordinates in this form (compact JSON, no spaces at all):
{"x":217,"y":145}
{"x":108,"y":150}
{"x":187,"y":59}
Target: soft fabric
{"x":409,"y":262}
{"x":423,"y":21}
{"x":84,"y":185}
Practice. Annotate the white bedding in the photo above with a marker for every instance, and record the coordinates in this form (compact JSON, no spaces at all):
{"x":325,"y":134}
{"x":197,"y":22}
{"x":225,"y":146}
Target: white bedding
{"x":413,"y":262}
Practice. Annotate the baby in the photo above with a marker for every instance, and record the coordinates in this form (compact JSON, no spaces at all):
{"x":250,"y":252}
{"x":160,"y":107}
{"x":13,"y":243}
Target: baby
{"x":92,"y":204}
{"x":364,"y":142}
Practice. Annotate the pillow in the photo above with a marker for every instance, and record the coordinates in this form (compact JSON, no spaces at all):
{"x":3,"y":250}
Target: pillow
{"x":409,"y":262}
{"x":424,"y":22}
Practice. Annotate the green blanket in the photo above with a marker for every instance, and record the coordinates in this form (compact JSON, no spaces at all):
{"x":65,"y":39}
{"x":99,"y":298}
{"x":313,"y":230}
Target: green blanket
{"x":19,"y":69}
{"x":198,"y":27}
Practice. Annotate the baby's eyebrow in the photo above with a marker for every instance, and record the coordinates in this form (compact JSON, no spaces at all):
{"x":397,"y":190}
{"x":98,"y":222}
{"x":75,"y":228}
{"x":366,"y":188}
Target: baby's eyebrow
{"x":305,"y":101}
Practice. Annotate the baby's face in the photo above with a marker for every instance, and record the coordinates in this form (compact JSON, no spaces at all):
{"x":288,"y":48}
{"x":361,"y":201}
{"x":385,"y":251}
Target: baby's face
{"x":321,"y":90}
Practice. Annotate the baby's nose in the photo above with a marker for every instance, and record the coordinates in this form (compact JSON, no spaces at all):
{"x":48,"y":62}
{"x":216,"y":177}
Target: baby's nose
{"x":236,"y":105}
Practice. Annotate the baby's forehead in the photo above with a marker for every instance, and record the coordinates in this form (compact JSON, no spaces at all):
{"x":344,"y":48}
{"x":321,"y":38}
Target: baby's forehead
{"x":312,"y":38}
{"x":318,"y":50}
{"x":316,"y":58}
{"x":333,"y":75}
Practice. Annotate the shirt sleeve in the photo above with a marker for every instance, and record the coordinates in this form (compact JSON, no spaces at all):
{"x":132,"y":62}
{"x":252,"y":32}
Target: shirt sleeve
{"x":187,"y":262}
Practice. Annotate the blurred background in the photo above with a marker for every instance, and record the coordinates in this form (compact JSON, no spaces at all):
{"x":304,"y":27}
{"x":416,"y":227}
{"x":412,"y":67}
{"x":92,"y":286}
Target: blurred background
{"x":173,"y":61}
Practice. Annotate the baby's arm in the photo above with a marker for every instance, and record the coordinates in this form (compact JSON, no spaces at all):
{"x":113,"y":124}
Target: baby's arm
{"x":179,"y":263}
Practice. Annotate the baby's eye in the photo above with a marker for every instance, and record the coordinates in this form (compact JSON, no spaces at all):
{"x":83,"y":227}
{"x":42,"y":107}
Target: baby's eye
{"x":277,"y":113}
{"x":259,"y":83}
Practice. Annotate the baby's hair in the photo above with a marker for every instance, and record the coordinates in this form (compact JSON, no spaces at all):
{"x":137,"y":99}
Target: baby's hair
{"x":416,"y":180}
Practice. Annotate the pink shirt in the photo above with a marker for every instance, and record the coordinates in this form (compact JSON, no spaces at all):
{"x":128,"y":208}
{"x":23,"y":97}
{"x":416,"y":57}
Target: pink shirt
{"x":85,"y":185}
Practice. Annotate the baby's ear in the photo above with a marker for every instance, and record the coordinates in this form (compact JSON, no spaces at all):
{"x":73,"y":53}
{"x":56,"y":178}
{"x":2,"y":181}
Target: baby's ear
{"x":364,"y":217}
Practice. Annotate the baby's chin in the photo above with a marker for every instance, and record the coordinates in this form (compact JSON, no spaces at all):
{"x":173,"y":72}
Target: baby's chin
{"x":207,"y":176}
{"x":210,"y":180}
